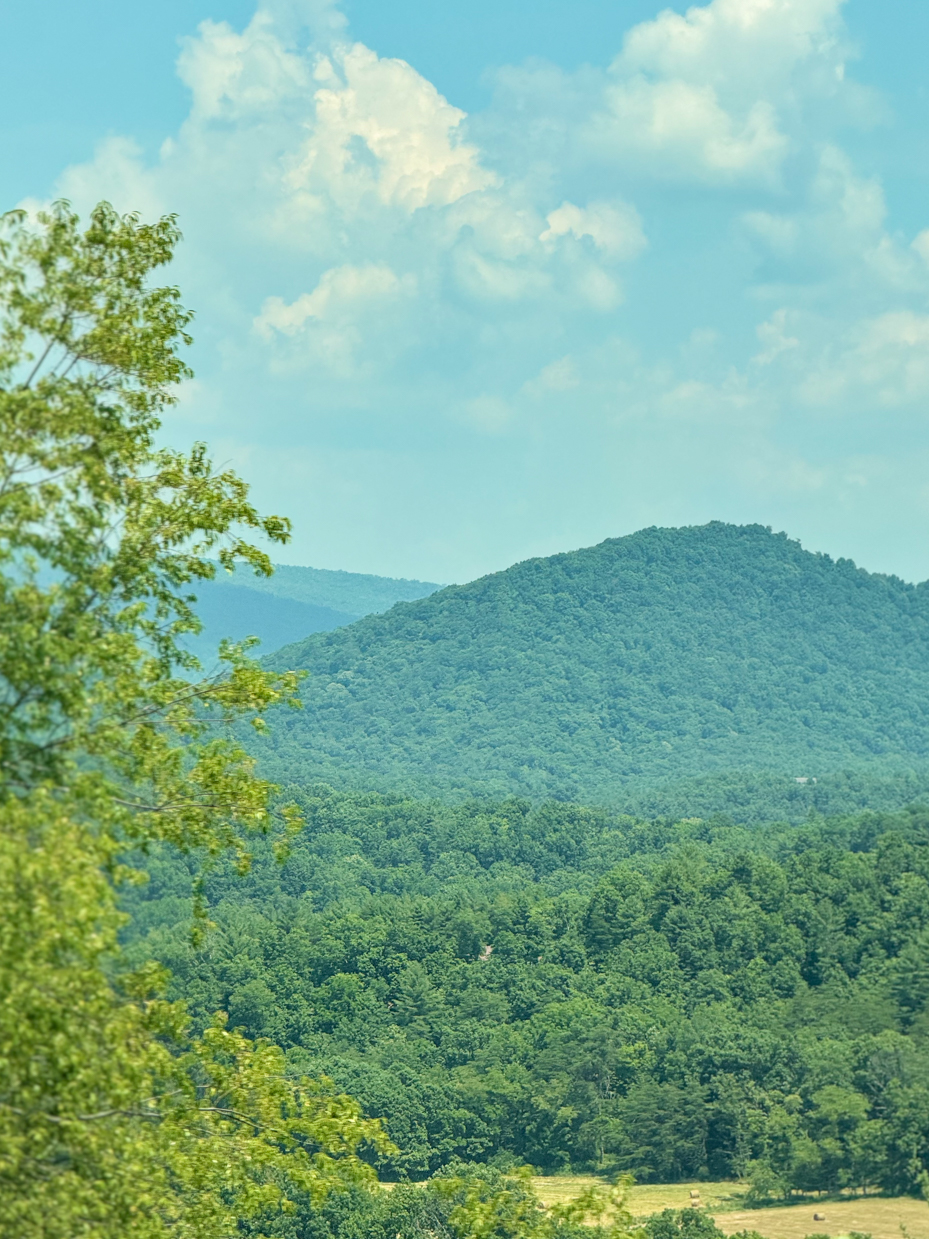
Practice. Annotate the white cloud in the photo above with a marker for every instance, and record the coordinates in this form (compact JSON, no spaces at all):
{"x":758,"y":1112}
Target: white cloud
{"x":372,"y":266}
{"x":341,"y":293}
{"x":882,"y":364}
{"x":341,"y":325}
{"x":233,"y":76}
{"x":682,"y":129}
{"x":706,"y":94}
{"x":489,"y":414}
{"x":743,"y":48}
{"x":837,"y":232}
{"x":557,"y":376}
{"x":407,"y":144}
{"x":614,"y":228}
{"x":774,"y":338}
{"x":119,"y":175}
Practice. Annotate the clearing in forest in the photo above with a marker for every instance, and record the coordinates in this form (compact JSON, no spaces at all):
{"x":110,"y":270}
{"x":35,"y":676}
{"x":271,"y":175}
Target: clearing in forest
{"x":902,"y":1217}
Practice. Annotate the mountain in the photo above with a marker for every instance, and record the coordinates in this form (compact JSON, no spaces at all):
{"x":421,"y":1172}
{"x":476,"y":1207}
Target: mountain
{"x":355,"y":593}
{"x":667,"y":655}
{"x":291,"y":604}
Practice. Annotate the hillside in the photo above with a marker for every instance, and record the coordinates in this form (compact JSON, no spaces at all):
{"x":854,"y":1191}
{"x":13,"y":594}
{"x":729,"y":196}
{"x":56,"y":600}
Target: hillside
{"x":669,"y":654}
{"x":354,"y":593}
{"x":291,"y":604}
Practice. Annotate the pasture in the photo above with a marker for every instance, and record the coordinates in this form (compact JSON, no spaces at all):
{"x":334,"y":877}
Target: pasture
{"x":884,"y":1218}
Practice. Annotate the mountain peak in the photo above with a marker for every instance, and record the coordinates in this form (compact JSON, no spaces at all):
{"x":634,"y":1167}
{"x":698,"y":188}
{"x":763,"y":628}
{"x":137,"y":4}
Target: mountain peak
{"x":668,"y":653}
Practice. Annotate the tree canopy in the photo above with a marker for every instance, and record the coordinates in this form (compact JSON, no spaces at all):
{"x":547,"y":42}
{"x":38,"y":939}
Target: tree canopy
{"x":602,"y":674}
{"x":112,"y":1117}
{"x":572,"y":988}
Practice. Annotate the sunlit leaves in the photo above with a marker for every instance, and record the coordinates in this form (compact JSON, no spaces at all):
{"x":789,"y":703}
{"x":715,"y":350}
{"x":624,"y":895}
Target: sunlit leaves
{"x":113,"y":1121}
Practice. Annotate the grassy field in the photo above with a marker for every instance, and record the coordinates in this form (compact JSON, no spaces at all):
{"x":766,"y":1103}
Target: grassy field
{"x":645,"y":1199}
{"x":902,"y":1218}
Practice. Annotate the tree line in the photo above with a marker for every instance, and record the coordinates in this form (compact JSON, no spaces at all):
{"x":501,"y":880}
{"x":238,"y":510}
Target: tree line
{"x":572,"y":989}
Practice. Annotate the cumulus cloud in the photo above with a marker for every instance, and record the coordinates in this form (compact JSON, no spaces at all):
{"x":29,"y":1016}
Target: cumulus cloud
{"x":119,"y":175}
{"x":774,"y":338}
{"x":340,"y":293}
{"x":382,"y":128}
{"x":682,"y":129}
{"x":396,"y":286}
{"x":742,"y":48}
{"x":837,"y":231}
{"x":702,"y":94}
{"x":614,"y":228}
{"x":235,"y":76}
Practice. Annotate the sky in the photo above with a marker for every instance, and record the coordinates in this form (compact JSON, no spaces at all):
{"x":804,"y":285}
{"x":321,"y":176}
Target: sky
{"x":483,"y":281}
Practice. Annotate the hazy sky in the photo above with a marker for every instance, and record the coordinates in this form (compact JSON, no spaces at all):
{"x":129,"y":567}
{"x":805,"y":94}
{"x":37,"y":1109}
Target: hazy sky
{"x":492,"y":280}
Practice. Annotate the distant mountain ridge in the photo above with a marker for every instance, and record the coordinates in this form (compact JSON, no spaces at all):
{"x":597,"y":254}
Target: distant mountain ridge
{"x":291,"y":604}
{"x":352,"y":593}
{"x":669,"y":654}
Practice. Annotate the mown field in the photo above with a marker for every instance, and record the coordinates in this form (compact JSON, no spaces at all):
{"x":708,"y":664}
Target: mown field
{"x":900,"y":1218}
{"x":645,"y":1198}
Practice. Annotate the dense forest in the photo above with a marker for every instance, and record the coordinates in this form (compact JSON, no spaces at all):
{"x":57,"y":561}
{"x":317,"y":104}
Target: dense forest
{"x":567,"y":987}
{"x":595,"y":675}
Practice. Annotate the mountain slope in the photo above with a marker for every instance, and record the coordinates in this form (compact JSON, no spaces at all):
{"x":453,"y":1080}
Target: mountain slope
{"x":357,"y":593}
{"x":237,"y":612}
{"x":291,"y":604}
{"x":668,"y":654}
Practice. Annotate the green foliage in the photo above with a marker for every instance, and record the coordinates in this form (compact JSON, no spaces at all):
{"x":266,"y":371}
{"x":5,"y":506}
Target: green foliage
{"x":113,"y":1120}
{"x":466,"y":1201}
{"x":484,"y":1209}
{"x":508,"y":984}
{"x":688,"y":1224}
{"x":598,"y":674}
{"x":99,"y":530}
{"x":673,"y":999}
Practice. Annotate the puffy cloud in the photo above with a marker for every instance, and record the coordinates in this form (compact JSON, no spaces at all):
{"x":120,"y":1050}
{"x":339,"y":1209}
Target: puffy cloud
{"x":236,"y":76}
{"x":398,"y":288}
{"x":335,"y":325}
{"x":614,"y":228}
{"x":837,"y":232}
{"x":682,"y":129}
{"x":881,"y":364}
{"x":340,"y":293}
{"x":742,"y":48}
{"x":119,"y":175}
{"x":380,"y":127}
{"x":699,"y":94}
{"x":774,"y":338}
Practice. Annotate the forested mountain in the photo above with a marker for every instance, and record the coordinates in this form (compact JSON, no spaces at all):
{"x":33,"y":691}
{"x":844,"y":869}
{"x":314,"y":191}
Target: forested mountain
{"x":357,"y":593}
{"x":290,"y":605}
{"x":237,"y":612}
{"x":569,"y":987}
{"x":595,"y":675}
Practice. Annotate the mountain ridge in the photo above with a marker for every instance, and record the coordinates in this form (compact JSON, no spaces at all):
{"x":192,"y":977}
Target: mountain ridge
{"x":290,"y":605}
{"x":667,"y":653}
{"x":354,"y":593}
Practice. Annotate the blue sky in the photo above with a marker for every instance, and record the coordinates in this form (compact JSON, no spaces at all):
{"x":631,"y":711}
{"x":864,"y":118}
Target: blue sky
{"x":485,"y":281}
